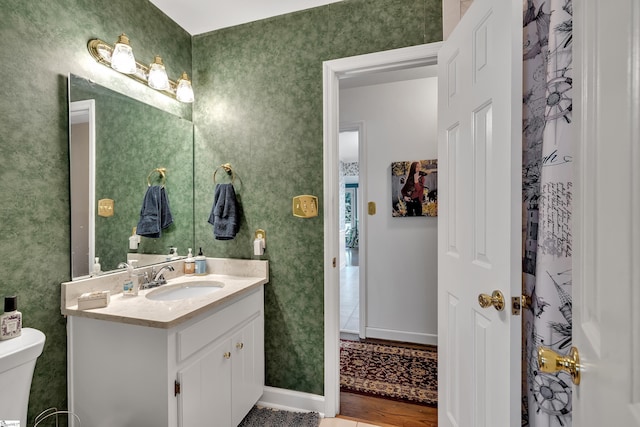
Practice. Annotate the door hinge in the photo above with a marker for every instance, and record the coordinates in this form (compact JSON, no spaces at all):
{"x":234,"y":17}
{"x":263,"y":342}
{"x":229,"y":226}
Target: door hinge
{"x":176,"y":388}
{"x":518,"y":303}
{"x":334,"y":262}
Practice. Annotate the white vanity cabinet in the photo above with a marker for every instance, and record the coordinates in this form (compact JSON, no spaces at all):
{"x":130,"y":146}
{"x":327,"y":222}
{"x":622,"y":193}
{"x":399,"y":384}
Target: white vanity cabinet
{"x":226,"y":380}
{"x":206,"y":371}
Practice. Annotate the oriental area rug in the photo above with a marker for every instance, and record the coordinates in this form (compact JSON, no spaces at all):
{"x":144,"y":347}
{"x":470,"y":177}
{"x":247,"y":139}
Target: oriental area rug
{"x":385,"y":370}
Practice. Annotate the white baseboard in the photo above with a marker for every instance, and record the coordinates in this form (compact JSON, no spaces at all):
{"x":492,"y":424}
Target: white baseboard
{"x":387,"y":334}
{"x":289,"y":400}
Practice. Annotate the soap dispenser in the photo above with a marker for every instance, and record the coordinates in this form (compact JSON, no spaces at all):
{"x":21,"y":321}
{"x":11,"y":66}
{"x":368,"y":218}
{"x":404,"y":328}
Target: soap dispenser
{"x":201,"y":264}
{"x":130,"y":283}
{"x":97,"y":269}
{"x":189,"y":264}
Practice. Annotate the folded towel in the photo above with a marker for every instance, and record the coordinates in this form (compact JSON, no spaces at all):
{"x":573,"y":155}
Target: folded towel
{"x":225,"y":215}
{"x":155,"y":214}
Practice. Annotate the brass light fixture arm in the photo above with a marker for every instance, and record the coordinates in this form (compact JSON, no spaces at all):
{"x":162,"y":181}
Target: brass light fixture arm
{"x":101,"y":51}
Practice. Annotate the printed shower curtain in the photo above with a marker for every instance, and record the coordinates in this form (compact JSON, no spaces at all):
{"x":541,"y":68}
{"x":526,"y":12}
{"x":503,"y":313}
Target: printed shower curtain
{"x":547,"y":182}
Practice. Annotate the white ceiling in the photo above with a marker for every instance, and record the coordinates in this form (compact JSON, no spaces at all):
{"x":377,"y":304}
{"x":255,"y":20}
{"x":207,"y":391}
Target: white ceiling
{"x":202,"y":16}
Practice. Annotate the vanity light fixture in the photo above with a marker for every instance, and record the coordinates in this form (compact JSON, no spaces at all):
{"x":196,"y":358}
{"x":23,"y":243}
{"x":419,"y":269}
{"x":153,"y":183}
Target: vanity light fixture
{"x":155,"y":75}
{"x":158,"y":78}
{"x":184,"y":92}
{"x":122,"y":58}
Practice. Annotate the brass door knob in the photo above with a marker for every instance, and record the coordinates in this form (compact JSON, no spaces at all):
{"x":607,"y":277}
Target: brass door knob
{"x":227,"y":355}
{"x":240,"y":345}
{"x":496,"y":299}
{"x":551,"y":362}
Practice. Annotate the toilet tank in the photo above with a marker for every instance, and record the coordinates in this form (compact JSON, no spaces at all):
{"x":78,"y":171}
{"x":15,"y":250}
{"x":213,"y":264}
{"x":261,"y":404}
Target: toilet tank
{"x":17,"y":361}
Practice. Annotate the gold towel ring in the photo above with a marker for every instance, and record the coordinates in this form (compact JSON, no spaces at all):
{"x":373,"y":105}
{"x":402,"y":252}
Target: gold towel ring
{"x":227,"y":168}
{"x":161,"y":172}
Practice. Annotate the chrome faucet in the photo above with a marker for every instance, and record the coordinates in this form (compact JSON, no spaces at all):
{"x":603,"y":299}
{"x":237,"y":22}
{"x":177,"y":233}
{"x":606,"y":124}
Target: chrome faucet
{"x":158,"y":278}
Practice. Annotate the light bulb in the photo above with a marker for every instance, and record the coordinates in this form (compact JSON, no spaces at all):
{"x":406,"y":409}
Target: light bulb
{"x":184,"y":91}
{"x":157,"y":75}
{"x":122,"y":59}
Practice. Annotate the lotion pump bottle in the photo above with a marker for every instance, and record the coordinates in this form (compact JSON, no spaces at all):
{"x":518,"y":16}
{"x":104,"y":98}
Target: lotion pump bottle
{"x":130,"y":284}
{"x":11,"y":320}
{"x":189,"y":264}
{"x":97,"y":269}
{"x":201,"y":264}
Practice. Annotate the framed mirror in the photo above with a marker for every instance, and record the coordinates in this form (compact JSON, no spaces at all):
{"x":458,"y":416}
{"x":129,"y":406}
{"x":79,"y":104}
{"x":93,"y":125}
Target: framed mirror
{"x":115,"y":145}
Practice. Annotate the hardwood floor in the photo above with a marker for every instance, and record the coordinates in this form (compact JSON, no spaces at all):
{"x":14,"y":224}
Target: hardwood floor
{"x":371,"y":409}
{"x":385,"y":412}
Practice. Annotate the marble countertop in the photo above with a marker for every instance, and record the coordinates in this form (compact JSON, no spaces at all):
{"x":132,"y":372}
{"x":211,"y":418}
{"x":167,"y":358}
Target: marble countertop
{"x":240,"y":277}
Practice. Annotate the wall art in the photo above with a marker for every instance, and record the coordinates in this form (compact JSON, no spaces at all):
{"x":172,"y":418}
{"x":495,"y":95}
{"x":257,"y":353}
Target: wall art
{"x":414,"y":188}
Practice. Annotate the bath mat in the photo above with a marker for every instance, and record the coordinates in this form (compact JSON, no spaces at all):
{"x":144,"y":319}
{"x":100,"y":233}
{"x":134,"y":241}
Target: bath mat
{"x":396,"y":372}
{"x":266,"y":417}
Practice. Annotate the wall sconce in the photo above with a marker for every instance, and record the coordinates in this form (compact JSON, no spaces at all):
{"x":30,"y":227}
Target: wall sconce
{"x":120,"y":58}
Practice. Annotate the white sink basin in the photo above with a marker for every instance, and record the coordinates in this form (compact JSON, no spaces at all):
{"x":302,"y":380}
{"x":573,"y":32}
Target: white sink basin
{"x":191,"y":289}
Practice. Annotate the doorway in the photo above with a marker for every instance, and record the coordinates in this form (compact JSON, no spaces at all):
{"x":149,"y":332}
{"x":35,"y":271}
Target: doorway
{"x":335,"y":72}
{"x":350,"y":231}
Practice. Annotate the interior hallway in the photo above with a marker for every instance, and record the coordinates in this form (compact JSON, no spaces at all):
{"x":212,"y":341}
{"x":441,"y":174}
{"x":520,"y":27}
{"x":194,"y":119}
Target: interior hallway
{"x":349,"y":293}
{"x":367,"y":411}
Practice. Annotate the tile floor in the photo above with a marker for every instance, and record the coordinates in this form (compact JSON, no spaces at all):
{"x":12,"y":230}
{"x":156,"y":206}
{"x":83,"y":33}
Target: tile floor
{"x":338,"y":422}
{"x":349,"y":294}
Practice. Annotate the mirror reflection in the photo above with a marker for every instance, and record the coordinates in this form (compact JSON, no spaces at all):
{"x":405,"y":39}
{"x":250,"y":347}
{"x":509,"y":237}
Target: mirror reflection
{"x":116,"y":145}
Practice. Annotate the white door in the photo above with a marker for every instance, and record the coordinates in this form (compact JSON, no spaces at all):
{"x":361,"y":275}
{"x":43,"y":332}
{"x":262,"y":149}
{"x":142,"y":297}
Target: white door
{"x":606,"y":258}
{"x":479,"y":220}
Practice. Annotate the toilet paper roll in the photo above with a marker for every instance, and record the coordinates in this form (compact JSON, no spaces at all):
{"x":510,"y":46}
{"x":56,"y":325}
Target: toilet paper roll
{"x":258,"y":249}
{"x":133,"y":242}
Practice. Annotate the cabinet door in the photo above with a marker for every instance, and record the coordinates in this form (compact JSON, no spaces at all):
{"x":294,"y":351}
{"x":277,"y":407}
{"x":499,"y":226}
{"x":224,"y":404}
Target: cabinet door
{"x":204,"y":389}
{"x":247,"y":368}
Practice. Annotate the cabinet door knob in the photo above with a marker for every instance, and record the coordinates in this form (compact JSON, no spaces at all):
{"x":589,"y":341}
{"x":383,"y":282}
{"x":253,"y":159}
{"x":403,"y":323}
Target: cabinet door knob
{"x":227,"y":355}
{"x":240,"y":345}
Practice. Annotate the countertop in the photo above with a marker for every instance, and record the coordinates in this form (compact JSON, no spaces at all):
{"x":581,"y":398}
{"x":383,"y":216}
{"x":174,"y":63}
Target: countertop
{"x":240,"y":277}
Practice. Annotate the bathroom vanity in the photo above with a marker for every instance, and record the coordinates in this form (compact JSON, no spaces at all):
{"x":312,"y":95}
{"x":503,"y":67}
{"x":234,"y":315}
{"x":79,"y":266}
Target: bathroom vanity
{"x":191,"y":361}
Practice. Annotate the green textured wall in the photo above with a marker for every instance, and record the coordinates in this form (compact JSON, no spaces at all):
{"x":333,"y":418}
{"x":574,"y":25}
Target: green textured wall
{"x":43,"y":41}
{"x":259,"y":107}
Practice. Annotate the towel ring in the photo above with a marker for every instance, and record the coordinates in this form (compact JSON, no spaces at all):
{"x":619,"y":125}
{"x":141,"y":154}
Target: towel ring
{"x":227,"y":168}
{"x":161,"y":172}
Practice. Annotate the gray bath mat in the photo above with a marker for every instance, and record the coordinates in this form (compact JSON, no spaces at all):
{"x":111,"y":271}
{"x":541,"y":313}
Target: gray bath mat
{"x":265,"y":417}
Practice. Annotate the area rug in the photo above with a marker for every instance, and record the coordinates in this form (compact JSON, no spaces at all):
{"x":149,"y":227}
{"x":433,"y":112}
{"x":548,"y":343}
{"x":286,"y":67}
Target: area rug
{"x":396,"y":372}
{"x":265,"y":417}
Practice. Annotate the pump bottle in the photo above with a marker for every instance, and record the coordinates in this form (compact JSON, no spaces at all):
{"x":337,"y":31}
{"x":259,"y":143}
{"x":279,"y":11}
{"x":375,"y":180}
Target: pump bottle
{"x":201,"y":264}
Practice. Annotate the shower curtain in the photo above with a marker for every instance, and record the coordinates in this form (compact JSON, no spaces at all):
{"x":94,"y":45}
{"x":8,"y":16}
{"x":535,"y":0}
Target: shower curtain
{"x":547,"y":182}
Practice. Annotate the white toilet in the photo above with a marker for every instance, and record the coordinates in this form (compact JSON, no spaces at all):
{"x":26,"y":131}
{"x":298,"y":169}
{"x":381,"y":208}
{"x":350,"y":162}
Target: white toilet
{"x":17,"y":361}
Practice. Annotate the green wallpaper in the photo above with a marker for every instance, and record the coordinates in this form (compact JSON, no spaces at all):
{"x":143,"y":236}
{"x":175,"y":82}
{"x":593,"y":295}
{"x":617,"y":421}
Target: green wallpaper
{"x":43,"y":41}
{"x":259,"y":107}
{"x":133,"y":139}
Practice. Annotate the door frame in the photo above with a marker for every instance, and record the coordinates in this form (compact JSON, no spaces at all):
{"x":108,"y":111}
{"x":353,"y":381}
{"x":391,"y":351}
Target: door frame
{"x":85,"y":112}
{"x":333,"y":71}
